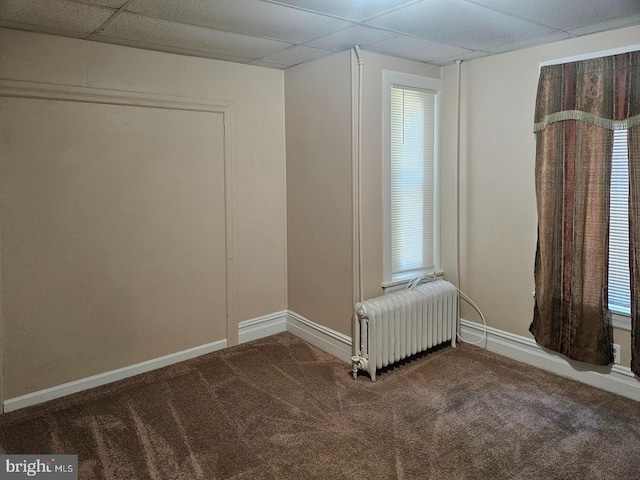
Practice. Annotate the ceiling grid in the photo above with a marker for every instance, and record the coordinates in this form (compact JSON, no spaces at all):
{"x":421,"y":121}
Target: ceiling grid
{"x":283,"y":33}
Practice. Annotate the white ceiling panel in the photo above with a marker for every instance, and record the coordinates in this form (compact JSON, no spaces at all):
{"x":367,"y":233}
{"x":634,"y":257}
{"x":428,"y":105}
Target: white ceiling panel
{"x":164,"y":48}
{"x":57,"y":14}
{"x":610,"y":24}
{"x":531,"y":42}
{"x":250,"y":17}
{"x":282,"y":33}
{"x":464,"y":57}
{"x":417,"y":49}
{"x":347,"y":38}
{"x":134,"y":27}
{"x":42,"y":29}
{"x":459,"y":23}
{"x":296,"y":55}
{"x":262,"y":63}
{"x":565,"y":14}
{"x":351,"y":9}
{"x":104,"y":3}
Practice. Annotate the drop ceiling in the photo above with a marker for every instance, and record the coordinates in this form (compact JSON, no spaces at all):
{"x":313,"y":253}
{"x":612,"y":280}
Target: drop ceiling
{"x":282,"y":33}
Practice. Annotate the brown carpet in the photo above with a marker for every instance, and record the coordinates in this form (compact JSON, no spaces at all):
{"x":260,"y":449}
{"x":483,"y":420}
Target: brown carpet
{"x":278,"y":408}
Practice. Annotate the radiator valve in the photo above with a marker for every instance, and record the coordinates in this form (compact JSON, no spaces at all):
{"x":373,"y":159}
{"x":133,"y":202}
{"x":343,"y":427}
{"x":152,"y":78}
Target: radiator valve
{"x":359,"y":363}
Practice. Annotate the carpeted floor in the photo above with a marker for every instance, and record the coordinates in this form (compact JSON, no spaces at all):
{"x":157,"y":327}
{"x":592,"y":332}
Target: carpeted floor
{"x":278,"y":408}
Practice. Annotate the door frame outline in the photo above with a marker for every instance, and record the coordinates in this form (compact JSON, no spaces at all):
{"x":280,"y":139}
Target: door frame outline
{"x":47,"y":91}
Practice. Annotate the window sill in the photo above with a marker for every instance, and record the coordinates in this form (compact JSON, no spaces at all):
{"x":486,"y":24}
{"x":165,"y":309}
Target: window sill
{"x":396,"y":285}
{"x":621,"y":321}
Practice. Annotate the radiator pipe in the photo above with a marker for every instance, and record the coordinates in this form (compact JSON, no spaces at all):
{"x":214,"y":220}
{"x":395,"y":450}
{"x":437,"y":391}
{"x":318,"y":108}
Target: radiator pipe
{"x":358,"y":177}
{"x":357,"y":361}
{"x":356,"y":48}
{"x":458,"y":269}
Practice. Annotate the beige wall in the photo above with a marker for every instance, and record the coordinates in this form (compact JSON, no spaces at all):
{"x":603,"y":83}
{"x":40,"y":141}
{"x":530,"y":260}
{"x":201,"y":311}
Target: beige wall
{"x":319,"y":183}
{"x":498,"y":235}
{"x":257,"y":143}
{"x":113,"y":238}
{"x":319,"y":226}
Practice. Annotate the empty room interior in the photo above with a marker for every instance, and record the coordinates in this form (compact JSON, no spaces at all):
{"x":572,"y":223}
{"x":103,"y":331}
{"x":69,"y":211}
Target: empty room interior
{"x":197,"y":206}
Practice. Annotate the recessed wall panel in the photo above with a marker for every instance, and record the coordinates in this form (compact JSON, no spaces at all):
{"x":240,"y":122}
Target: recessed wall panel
{"x":112,"y":237}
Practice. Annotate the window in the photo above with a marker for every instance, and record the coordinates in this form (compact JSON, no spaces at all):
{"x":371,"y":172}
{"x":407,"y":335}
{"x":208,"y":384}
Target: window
{"x":410,"y":138}
{"x":619,"y":291}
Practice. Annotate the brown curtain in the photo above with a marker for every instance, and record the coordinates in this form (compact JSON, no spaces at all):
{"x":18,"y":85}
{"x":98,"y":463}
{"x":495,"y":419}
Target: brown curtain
{"x":632,"y":100}
{"x":578,"y":106}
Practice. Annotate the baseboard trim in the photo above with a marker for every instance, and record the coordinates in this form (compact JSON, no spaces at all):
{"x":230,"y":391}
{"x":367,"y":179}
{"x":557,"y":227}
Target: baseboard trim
{"x":262,"y":326}
{"x":58,"y":391}
{"x":326,"y":339}
{"x":614,"y":378}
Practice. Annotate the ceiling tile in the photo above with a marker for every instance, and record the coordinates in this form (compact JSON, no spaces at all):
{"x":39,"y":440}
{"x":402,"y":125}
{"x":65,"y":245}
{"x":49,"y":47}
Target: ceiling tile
{"x":465,"y":57}
{"x":532,"y":42}
{"x":57,"y":14}
{"x":250,"y":17}
{"x":164,"y":48}
{"x":459,"y":23}
{"x":417,"y":49}
{"x":42,"y":29}
{"x":296,"y":55}
{"x":565,"y":14}
{"x":262,"y":63}
{"x":610,"y":24}
{"x":103,"y":3}
{"x":347,"y":38}
{"x":264,"y":32}
{"x":138,"y":28}
{"x":353,"y":10}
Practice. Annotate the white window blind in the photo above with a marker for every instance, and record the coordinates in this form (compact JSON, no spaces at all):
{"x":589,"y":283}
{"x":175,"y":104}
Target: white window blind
{"x":412,"y":190}
{"x":619,"y":292}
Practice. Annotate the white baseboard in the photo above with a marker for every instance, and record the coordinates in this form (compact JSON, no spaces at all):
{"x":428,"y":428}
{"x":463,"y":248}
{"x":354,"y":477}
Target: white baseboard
{"x":108,"y":377}
{"x":262,"y":326}
{"x":615,"y":378}
{"x":322,"y":337}
{"x":326,"y":339}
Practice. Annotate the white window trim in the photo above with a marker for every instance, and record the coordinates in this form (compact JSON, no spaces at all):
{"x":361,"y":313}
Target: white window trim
{"x":389,"y":79}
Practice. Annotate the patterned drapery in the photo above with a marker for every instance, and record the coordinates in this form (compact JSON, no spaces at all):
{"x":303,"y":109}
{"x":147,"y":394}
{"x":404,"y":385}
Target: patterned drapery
{"x":633,"y":146}
{"x":579,"y":104}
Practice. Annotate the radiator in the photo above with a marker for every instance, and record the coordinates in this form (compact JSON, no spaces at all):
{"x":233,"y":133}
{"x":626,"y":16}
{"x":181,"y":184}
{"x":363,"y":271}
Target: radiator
{"x":392,"y":327}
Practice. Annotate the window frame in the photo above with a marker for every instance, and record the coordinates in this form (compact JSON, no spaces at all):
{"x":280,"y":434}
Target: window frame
{"x":390,"y":79}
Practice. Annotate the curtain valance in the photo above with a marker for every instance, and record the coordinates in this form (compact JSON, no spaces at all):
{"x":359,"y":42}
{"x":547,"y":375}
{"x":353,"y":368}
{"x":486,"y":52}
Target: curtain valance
{"x":598,"y":91}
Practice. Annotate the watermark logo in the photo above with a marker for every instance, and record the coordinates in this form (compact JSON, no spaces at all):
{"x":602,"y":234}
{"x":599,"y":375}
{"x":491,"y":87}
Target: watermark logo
{"x":45,"y":467}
